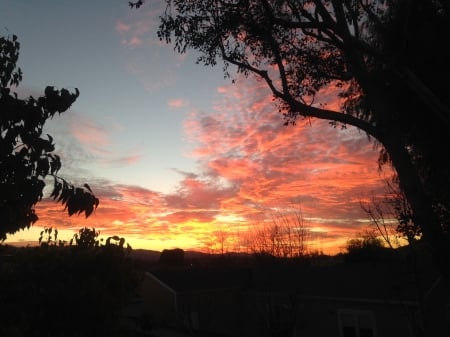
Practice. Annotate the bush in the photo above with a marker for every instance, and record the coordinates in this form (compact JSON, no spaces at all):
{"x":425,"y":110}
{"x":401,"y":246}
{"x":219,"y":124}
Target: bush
{"x":57,"y":290}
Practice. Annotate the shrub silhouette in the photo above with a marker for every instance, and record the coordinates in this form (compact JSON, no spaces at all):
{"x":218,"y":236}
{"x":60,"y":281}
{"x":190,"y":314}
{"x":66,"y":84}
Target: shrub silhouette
{"x":61,"y":290}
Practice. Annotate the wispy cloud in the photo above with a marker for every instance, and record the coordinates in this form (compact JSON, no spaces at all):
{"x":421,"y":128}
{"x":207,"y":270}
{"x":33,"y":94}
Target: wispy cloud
{"x":122,"y":28}
{"x":138,"y":28}
{"x":155,"y":66}
{"x":177,"y":103}
{"x":90,"y":134}
{"x":249,"y":163}
{"x":326,"y":170}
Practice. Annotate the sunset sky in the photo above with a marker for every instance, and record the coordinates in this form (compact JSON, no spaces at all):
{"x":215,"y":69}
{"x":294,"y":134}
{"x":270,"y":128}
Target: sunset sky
{"x":178,"y":155}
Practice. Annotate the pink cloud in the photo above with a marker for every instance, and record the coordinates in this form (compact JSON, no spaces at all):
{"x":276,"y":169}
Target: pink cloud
{"x":89,"y":133}
{"x":155,"y":67}
{"x":122,"y":28}
{"x":133,"y":42}
{"x":139,"y":27}
{"x":249,"y":162}
{"x":325,"y":169}
{"x":112,"y":160}
{"x":197,"y":194}
{"x":94,"y":137}
{"x":177,"y":103}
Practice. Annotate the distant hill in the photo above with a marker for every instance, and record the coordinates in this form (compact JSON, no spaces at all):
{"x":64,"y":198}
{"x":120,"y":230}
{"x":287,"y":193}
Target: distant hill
{"x":145,"y":254}
{"x":153,"y":255}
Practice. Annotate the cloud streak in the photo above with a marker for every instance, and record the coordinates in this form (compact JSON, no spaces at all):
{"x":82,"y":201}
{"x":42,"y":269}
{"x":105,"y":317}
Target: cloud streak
{"x":326,"y":170}
{"x":137,"y":31}
{"x":250,"y":163}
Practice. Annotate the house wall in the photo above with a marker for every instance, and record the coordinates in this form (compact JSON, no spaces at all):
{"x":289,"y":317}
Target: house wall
{"x":232,"y":312}
{"x":213,"y":311}
{"x":160,"y":301}
{"x":320,"y":317}
{"x":325,"y":318}
{"x":437,"y":310}
{"x":237,"y":313}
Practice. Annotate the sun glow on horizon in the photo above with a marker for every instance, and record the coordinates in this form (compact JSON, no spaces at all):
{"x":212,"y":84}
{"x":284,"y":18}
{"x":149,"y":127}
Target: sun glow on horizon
{"x":177,"y":165}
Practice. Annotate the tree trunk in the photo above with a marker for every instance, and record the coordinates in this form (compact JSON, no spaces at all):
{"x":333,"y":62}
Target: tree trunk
{"x":421,"y":203}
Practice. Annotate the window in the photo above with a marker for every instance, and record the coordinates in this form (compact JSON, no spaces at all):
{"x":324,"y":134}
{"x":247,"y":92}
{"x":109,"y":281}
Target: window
{"x":355,"y":323}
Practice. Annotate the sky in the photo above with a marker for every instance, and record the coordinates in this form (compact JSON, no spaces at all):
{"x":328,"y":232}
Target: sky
{"x":179,"y":156}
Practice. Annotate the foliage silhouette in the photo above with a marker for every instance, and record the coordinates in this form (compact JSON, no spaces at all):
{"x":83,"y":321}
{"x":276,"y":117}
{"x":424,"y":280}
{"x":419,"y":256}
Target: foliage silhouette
{"x":386,"y":60}
{"x":366,"y":247}
{"x":135,"y":4}
{"x":172,"y":257}
{"x":26,"y":157}
{"x":49,"y":237}
{"x":393,"y":205}
{"x":65,"y":290}
{"x":86,"y":238}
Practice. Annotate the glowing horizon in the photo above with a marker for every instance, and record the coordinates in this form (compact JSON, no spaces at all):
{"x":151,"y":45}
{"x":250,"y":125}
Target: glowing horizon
{"x":178,"y":156}
{"x":249,"y":164}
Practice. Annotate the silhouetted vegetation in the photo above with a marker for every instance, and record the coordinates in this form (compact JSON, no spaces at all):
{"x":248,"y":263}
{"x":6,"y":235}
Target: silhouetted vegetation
{"x":172,"y":257}
{"x":58,"y":290}
{"x":367,"y":247}
{"x":283,"y":233}
{"x":81,"y":288}
{"x":393,"y":205}
{"x":386,"y":61}
{"x":27,"y":157}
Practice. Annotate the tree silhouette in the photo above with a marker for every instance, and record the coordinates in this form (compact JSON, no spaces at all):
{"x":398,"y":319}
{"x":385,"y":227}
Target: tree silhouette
{"x":78,"y":290}
{"x":283,"y":234}
{"x":385,"y":59}
{"x":86,"y":238}
{"x":365,"y":247}
{"x":172,"y":257}
{"x":393,"y":205}
{"x":26,"y":157}
{"x":136,"y":4}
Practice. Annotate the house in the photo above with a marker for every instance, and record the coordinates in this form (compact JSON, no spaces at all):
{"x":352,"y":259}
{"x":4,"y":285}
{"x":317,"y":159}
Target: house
{"x":193,"y":299}
{"x":339,"y":299}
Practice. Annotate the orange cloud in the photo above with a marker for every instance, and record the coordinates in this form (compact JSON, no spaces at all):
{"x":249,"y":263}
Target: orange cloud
{"x":249,"y":164}
{"x":326,"y":170}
